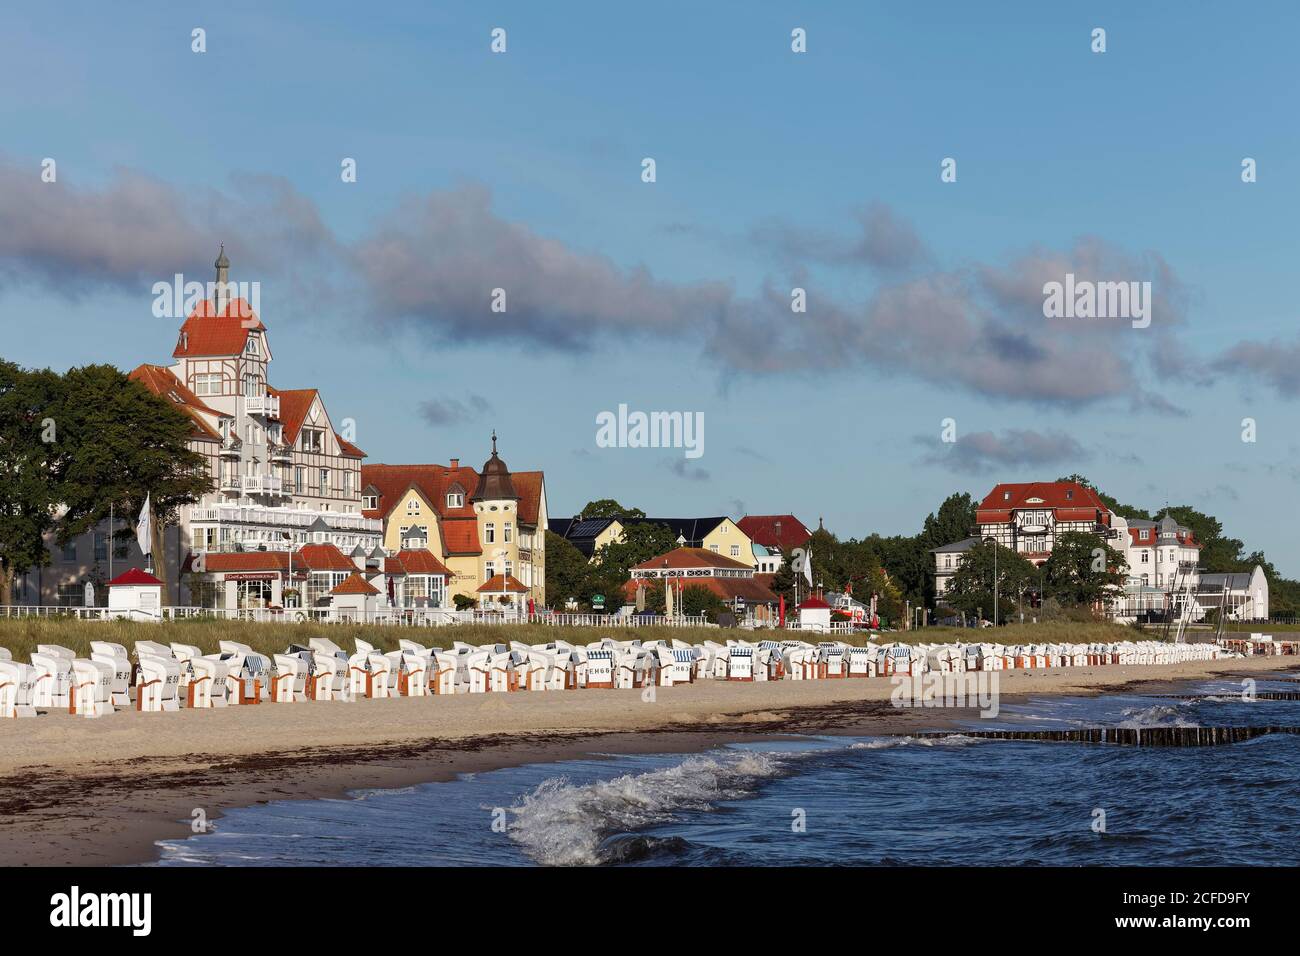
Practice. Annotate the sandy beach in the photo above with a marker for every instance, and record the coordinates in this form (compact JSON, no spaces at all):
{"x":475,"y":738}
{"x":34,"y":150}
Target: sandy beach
{"x":101,"y":792}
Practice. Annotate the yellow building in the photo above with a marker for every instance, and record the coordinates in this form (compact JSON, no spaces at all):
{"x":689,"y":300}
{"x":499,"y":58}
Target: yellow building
{"x":719,"y":535}
{"x":481,"y":525}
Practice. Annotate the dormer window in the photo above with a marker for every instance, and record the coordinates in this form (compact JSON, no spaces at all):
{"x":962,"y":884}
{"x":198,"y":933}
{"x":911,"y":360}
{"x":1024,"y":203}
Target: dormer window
{"x":250,"y":347}
{"x":1006,"y":496}
{"x":369,"y":502}
{"x":455,"y":500}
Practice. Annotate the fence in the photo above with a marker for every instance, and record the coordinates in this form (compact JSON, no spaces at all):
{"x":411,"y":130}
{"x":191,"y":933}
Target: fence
{"x":391,"y":616}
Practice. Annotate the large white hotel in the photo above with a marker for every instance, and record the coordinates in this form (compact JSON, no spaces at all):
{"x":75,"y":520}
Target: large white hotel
{"x":1163,"y":557}
{"x":283,"y":475}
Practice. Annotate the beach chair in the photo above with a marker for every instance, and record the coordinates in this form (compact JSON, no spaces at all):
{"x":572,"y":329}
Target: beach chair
{"x":160,"y":678}
{"x":832,"y":660}
{"x":53,"y":677}
{"x":902,"y":660}
{"x":413,"y":674}
{"x":16,"y":688}
{"x":207,"y":684}
{"x":861,"y":662}
{"x":247,"y":672}
{"x":443,"y":669}
{"x":115,"y":656}
{"x":288,"y":674}
{"x":91,"y":691}
{"x":628,"y":668}
{"x":740,"y":663}
{"x":600,"y":668}
{"x":683,"y":667}
{"x":369,"y":670}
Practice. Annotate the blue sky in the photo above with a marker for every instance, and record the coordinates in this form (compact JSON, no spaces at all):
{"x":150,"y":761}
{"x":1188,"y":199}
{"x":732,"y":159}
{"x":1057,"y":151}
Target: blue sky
{"x":477,"y":169}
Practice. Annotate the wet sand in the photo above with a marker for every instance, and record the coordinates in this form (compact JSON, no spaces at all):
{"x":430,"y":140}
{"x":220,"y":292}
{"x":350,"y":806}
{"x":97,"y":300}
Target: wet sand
{"x":102,"y":792}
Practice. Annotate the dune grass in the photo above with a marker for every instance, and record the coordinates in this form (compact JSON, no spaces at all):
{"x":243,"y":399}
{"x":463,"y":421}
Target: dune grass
{"x":21,"y":635}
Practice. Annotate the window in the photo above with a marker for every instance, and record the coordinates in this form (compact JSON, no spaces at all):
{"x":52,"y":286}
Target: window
{"x":488,"y":569}
{"x":413,"y":506}
{"x":70,"y":551}
{"x":713,"y":548}
{"x":506,"y":532}
{"x":72,"y":595}
{"x":1144,"y":534}
{"x":250,"y":347}
{"x":313,"y":440}
{"x":300,"y":479}
{"x":489,"y":533}
{"x":735,"y":550}
{"x":510,"y":569}
{"x":1146,"y":557}
{"x":207,"y":383}
{"x":347,"y":483}
{"x":455,"y":500}
{"x":252,"y":387}
{"x":101,"y":546}
{"x":369,"y":502}
{"x":324,"y":481}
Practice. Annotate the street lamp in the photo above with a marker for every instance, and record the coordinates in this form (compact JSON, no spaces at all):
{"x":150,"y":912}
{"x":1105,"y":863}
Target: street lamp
{"x":994,"y":541}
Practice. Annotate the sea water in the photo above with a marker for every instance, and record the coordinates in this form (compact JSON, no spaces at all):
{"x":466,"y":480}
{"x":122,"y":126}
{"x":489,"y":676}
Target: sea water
{"x":951,"y":800}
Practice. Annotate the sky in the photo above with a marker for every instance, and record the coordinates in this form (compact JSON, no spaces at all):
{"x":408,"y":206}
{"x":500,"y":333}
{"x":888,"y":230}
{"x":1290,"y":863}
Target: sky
{"x":774,"y":170}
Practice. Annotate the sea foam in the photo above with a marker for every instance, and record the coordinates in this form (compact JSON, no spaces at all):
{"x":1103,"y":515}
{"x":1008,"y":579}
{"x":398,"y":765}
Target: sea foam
{"x":563,"y":824}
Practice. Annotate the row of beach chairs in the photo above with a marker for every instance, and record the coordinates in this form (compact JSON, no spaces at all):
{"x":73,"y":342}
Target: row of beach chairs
{"x":166,"y":677}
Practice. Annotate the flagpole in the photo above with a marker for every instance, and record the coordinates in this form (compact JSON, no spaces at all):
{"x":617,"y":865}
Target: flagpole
{"x":110,"y":540}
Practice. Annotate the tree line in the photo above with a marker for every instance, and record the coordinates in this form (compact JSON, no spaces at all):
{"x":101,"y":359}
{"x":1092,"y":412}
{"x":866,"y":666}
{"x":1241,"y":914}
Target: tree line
{"x":74,"y":444}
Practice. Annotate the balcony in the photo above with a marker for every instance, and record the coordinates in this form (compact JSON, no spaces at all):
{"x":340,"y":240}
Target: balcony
{"x":231,"y":448}
{"x":265,"y":405}
{"x":261,"y":485}
{"x":281,"y":453}
{"x":230,"y":483}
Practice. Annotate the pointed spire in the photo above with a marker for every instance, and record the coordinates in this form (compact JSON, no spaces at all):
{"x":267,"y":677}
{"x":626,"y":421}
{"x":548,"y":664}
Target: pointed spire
{"x":223,"y":262}
{"x":494,"y":443}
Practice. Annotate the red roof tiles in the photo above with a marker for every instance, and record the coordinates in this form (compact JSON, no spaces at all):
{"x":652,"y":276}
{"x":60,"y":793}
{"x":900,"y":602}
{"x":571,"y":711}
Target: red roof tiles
{"x":206,"y":332}
{"x":354,"y":583}
{"x":134,"y":577}
{"x":690,"y":558}
{"x":499,"y":584}
{"x":164,"y":383}
{"x":775,"y":531}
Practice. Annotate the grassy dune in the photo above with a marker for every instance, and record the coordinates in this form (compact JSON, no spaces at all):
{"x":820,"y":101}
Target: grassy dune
{"x":20,"y":636}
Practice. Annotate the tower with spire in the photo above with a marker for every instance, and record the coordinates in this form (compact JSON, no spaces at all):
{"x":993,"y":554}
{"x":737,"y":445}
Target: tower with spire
{"x":496,"y":505}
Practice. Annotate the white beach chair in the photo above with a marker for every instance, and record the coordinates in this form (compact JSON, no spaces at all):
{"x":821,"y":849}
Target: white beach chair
{"x":16,"y":688}
{"x":444,"y":666}
{"x":413,"y":673}
{"x":91,"y":692}
{"x":600,"y":668}
{"x":289,"y":674}
{"x":160,"y":678}
{"x":740,"y":663}
{"x":115,"y":656}
{"x":861,"y":662}
{"x":207,"y":684}
{"x":52,"y":679}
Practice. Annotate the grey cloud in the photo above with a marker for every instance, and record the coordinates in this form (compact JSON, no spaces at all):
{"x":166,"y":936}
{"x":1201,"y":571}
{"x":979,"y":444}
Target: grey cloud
{"x":886,"y":242}
{"x":453,"y":411}
{"x":1276,"y":363}
{"x":684,"y":469}
{"x":983,"y":452}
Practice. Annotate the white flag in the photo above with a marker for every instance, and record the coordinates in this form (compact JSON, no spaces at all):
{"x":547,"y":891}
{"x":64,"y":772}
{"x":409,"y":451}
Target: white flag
{"x":144,"y":528}
{"x":807,"y":567}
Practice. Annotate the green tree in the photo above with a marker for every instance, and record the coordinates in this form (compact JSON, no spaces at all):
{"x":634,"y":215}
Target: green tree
{"x":31,"y":457}
{"x":567,"y":571}
{"x":1082,"y":570}
{"x":608,"y":508}
{"x":697,"y":599}
{"x":954,"y":521}
{"x":124,"y":443}
{"x":972,"y":585}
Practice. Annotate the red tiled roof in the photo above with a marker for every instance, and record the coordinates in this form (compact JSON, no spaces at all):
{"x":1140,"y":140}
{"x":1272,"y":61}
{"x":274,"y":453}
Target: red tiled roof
{"x":322,"y":557}
{"x":528,"y":486}
{"x":814,"y":603}
{"x":249,"y":561}
{"x":775,"y":531}
{"x":354,"y":583}
{"x":420,"y":562}
{"x":1068,"y":495}
{"x":460,"y":536}
{"x":498,"y":584}
{"x":689,"y":558}
{"x":134,"y":576}
{"x":748,"y":589}
{"x":206,"y":332}
{"x":164,"y":383}
{"x":295,"y":403}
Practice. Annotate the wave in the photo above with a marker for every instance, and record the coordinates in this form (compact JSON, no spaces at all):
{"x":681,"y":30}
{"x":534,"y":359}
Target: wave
{"x":563,"y":824}
{"x":1157,"y":715}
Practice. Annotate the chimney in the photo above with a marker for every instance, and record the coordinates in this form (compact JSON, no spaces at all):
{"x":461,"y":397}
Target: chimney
{"x":455,"y":463}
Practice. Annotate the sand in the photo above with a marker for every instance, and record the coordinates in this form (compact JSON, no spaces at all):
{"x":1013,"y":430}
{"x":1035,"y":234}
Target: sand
{"x":90,"y":792}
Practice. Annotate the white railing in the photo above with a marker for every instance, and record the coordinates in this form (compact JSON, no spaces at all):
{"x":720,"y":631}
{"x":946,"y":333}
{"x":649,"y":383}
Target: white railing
{"x":261,"y":484}
{"x":283,"y":517}
{"x":262,"y":405}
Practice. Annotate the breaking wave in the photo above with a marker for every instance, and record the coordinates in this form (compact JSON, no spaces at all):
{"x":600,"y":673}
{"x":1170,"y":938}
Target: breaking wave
{"x":1157,"y":715}
{"x":562,"y":824}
